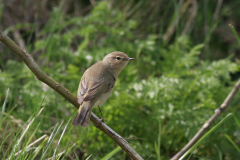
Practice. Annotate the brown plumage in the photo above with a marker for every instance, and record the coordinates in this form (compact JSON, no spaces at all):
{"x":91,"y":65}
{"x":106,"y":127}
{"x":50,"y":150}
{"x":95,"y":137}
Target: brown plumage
{"x":97,"y":83}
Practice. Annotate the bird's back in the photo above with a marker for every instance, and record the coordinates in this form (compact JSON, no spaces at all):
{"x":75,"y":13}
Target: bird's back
{"x":94,"y":80}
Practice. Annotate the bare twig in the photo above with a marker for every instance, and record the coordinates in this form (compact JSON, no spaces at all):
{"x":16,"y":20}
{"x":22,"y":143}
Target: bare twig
{"x":27,"y":59}
{"x":208,"y":123}
{"x":58,"y":155}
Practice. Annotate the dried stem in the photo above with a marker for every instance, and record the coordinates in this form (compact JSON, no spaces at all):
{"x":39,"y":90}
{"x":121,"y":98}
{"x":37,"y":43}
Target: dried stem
{"x":58,"y":155}
{"x":40,"y":75}
{"x":30,"y":145}
{"x":208,"y":123}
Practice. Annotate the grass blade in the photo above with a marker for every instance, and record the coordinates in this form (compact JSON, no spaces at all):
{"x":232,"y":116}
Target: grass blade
{"x":68,"y":149}
{"x":205,"y":135}
{"x":37,"y":150}
{"x":51,"y":138}
{"x":60,"y":138}
{"x":235,"y":33}
{"x":159,"y":140}
{"x":3,"y":107}
{"x":232,"y":142}
{"x":219,"y":152}
{"x":157,"y":151}
{"x":26,"y":147}
{"x":89,"y":157}
{"x":237,"y":121}
{"x":109,"y":155}
{"x":22,"y":135}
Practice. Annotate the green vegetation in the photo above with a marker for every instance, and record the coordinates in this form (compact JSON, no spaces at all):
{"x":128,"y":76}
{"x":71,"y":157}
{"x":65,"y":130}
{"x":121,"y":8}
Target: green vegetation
{"x":163,"y":97}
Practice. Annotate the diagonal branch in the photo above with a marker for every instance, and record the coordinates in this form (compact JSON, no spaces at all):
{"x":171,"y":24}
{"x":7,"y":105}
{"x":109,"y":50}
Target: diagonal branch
{"x":207,"y":124}
{"x":27,"y":59}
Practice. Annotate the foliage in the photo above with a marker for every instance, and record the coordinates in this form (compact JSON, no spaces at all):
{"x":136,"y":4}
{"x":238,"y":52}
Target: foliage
{"x":22,"y":136}
{"x":171,"y":85}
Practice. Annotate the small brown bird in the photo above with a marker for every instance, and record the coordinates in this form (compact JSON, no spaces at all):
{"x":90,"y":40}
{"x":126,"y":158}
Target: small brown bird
{"x":97,"y":83}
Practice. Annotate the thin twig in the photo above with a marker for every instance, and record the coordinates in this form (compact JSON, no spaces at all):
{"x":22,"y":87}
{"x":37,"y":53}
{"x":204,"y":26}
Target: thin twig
{"x":40,"y":75}
{"x":58,"y":155}
{"x":208,"y":123}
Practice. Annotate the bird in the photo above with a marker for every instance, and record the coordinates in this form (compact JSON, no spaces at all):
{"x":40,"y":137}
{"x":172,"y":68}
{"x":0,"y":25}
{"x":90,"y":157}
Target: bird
{"x":96,"y":85}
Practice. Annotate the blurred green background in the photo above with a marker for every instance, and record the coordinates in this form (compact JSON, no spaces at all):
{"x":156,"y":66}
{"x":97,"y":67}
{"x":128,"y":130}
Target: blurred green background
{"x":186,"y":63}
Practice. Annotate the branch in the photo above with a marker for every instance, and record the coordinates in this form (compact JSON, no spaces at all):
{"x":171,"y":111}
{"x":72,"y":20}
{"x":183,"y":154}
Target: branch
{"x":40,"y":75}
{"x":207,"y":124}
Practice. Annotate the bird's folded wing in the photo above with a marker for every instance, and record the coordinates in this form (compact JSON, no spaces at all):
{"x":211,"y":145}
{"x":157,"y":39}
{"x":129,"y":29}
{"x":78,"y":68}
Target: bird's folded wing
{"x":87,"y":90}
{"x":82,"y":89}
{"x":95,"y":89}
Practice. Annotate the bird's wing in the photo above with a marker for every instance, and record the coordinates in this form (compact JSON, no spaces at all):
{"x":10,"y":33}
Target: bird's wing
{"x":87,"y":90}
{"x":82,"y":89}
{"x":95,"y":90}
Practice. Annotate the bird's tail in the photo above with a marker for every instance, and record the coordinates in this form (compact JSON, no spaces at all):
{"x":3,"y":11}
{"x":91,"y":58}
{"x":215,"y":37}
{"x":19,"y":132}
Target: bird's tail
{"x":83,"y":115}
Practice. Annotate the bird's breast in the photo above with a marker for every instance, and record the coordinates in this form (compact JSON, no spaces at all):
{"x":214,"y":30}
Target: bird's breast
{"x":103,"y":98}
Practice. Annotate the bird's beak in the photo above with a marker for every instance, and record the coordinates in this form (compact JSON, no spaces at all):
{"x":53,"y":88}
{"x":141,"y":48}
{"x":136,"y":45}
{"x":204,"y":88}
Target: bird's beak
{"x":130,"y":59}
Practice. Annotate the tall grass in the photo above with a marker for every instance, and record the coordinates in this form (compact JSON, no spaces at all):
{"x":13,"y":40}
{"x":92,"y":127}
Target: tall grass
{"x":20,"y":141}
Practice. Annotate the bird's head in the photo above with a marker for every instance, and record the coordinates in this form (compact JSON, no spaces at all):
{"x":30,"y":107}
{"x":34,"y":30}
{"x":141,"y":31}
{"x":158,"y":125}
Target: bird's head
{"x":116,"y":61}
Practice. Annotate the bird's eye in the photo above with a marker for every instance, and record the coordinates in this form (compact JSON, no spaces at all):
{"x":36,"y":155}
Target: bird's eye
{"x":118,"y":58}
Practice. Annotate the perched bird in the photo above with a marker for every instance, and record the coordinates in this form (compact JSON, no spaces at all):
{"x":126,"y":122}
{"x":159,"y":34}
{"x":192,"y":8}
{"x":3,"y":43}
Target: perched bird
{"x":97,"y":83}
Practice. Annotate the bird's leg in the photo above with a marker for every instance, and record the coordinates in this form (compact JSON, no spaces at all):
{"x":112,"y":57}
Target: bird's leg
{"x":101,"y":114}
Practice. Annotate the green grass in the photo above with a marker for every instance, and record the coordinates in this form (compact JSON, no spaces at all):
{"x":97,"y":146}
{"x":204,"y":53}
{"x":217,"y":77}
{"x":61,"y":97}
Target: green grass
{"x":24,"y":137}
{"x":204,"y":136}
